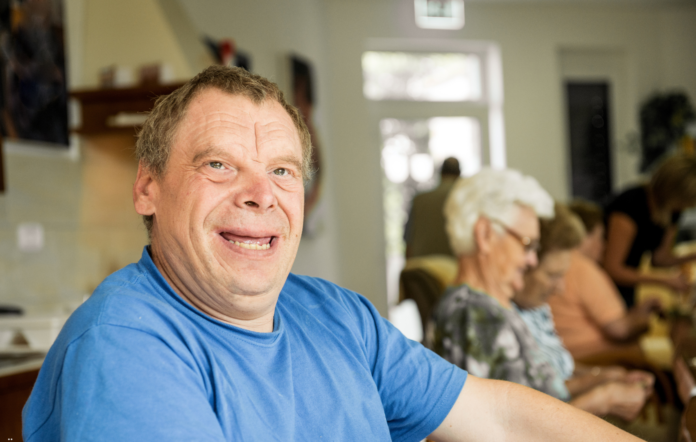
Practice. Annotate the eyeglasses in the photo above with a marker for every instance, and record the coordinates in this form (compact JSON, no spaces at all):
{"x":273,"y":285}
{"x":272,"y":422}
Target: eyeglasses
{"x":530,"y":245}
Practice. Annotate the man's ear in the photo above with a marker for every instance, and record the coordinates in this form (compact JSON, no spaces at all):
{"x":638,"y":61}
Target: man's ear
{"x":145,"y":191}
{"x":483,"y":235}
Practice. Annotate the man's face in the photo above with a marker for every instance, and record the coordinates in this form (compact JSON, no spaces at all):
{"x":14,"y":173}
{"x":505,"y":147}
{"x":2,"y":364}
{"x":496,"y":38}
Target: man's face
{"x":510,"y":258}
{"x":228,"y":210}
{"x":544,"y":280}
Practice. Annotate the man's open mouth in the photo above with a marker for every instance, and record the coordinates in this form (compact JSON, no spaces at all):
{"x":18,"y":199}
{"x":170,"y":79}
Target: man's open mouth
{"x":250,"y":243}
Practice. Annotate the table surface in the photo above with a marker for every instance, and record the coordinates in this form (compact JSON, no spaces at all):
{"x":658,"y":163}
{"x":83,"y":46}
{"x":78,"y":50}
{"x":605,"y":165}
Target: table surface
{"x":657,"y":343}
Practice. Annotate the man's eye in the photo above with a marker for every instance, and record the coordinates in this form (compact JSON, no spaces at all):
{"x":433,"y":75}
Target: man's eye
{"x":281,"y":172}
{"x":215,"y":164}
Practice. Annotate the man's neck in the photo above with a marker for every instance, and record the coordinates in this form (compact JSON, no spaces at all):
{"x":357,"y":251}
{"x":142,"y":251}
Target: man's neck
{"x":475,"y":271}
{"x":254,"y":313}
{"x":447,"y":179}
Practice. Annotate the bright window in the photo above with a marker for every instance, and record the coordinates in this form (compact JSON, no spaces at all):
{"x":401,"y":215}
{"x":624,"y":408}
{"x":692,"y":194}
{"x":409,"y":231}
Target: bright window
{"x":422,"y":76}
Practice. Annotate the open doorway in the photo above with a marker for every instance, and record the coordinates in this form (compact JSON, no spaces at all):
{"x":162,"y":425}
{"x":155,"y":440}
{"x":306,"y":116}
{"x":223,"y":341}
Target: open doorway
{"x":430,"y":101}
{"x":589,"y":134}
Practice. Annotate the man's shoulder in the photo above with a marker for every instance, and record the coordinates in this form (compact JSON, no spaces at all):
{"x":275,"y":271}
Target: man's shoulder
{"x":440,"y":191}
{"x":313,"y":293}
{"x":421,"y":198}
{"x":314,"y":286}
{"x":314,"y":303}
{"x":127,"y":298}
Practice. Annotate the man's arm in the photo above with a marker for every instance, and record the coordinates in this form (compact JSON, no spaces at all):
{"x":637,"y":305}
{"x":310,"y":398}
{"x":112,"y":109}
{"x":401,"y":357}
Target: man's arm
{"x":621,"y":399}
{"x":121,"y":384}
{"x":500,"y":410}
{"x":585,"y":378}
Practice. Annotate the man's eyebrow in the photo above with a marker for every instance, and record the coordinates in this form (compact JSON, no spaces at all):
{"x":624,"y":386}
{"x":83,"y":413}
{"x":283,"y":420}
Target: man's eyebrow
{"x":216,"y":151}
{"x":290,"y":159}
{"x":209,"y":151}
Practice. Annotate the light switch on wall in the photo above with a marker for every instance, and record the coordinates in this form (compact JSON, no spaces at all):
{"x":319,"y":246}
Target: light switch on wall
{"x":30,"y":237}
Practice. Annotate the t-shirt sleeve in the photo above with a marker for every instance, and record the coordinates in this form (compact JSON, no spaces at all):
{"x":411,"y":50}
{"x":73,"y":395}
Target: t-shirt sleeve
{"x":598,"y":294}
{"x":417,"y":387}
{"x":120,"y":384}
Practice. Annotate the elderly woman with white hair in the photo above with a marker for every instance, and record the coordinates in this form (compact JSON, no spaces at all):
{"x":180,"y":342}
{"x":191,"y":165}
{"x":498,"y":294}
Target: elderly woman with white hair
{"x":493,"y":224}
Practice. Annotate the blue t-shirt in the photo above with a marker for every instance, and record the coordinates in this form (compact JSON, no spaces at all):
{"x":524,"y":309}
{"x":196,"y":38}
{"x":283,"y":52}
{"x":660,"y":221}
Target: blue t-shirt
{"x":137,"y":362}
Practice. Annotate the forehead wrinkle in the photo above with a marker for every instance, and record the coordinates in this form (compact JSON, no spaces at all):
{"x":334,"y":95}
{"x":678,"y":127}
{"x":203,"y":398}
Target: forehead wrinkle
{"x":274,"y":131}
{"x":226,"y":119}
{"x":201,"y":127}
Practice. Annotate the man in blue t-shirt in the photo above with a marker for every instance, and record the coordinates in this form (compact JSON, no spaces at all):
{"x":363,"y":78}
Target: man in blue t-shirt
{"x":209,"y":336}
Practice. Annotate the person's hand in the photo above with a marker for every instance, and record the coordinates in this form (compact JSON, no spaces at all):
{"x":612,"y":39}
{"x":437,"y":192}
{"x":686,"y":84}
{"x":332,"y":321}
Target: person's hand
{"x":678,"y":283}
{"x":646,"y":379}
{"x":649,"y":306}
{"x":625,"y":400}
{"x":611,"y":373}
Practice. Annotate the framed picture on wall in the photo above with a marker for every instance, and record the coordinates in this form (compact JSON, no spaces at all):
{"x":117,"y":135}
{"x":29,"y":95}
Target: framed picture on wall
{"x":33,"y":90}
{"x":303,"y":97}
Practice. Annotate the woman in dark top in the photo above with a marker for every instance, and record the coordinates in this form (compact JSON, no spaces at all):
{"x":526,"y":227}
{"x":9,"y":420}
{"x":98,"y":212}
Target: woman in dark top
{"x":644,"y":219}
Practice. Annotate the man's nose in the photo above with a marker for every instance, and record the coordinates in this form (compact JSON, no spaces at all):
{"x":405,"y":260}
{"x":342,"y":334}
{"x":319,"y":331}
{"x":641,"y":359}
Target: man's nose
{"x":255,"y":191}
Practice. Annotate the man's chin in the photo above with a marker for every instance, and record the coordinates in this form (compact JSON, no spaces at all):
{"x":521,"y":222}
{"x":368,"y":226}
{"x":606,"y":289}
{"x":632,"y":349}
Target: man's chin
{"x":252,"y":284}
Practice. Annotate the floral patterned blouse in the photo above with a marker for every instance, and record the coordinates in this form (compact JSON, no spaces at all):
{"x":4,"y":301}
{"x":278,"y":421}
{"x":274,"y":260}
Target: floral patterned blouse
{"x":475,"y":332}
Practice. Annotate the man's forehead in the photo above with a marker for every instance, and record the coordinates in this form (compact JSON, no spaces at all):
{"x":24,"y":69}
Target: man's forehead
{"x":213,"y":106}
{"x":211,"y":98}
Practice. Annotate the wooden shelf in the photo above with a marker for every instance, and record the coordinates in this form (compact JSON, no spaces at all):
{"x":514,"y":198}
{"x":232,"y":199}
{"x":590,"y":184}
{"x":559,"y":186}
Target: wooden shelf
{"x":112,"y":110}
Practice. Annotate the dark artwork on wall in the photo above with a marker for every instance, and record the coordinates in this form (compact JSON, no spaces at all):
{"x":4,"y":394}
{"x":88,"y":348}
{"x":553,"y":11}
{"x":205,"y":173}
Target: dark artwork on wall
{"x":33,"y":92}
{"x":589,"y":134}
{"x":663,"y":121}
{"x":225,"y":52}
{"x":304,"y":98}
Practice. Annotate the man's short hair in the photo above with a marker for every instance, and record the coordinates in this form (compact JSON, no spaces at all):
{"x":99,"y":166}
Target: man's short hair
{"x":154,"y":142}
{"x":562,"y":232}
{"x":450,"y":167}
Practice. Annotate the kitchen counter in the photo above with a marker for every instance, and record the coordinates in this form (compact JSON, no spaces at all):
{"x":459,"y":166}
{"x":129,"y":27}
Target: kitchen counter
{"x":16,"y":360}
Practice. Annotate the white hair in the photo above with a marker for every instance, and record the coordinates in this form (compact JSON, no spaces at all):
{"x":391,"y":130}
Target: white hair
{"x":495,"y":194}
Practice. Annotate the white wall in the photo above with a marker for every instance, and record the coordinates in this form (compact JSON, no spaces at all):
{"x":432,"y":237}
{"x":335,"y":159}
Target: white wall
{"x":677,"y":39}
{"x":128,"y":33}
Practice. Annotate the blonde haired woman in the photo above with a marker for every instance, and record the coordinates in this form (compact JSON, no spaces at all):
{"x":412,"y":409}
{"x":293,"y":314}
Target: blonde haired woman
{"x":645,"y":219}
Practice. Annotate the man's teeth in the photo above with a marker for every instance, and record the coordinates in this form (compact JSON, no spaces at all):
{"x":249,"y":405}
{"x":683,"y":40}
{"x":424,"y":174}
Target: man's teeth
{"x":251,"y":246}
